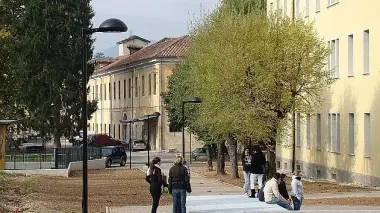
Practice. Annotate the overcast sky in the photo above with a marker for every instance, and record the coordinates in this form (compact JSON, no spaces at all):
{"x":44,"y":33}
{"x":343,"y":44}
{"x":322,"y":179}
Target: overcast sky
{"x":150,"y":19}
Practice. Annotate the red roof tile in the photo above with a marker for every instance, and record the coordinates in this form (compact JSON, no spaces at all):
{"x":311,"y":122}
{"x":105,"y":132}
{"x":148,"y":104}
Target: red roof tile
{"x":167,"y":47}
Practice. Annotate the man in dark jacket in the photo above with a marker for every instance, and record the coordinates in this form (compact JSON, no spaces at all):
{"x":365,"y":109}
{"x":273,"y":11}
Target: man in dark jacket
{"x":257,"y":169}
{"x":179,"y":184}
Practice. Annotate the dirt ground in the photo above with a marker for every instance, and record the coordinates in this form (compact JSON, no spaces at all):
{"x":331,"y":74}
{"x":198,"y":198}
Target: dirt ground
{"x":310,"y":187}
{"x":59,"y":194}
{"x":352,"y":201}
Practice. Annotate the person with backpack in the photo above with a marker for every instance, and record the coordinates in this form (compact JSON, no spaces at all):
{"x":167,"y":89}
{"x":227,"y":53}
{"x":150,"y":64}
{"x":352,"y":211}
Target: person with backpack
{"x":257,"y":169}
{"x":154,"y":178}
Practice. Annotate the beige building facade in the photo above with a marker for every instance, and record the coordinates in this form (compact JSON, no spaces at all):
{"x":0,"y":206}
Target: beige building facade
{"x":130,"y":87}
{"x":340,"y":141}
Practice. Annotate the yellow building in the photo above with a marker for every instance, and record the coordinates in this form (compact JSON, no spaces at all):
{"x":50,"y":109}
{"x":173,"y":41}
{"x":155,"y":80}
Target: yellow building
{"x":340,"y":140}
{"x":130,"y":87}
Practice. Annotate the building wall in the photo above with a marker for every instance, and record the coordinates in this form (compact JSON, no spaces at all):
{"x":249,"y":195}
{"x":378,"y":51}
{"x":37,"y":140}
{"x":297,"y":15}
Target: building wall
{"x":347,"y":150}
{"x":115,"y":103}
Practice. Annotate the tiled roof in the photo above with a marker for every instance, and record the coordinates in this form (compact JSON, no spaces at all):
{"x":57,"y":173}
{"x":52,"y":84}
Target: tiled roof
{"x":167,"y":47}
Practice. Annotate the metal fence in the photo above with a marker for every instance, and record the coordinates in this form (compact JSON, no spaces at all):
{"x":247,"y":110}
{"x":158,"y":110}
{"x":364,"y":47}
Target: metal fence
{"x":50,"y":158}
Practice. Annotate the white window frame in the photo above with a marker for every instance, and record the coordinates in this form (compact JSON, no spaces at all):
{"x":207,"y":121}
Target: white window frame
{"x":298,"y":130}
{"x":367,"y":136}
{"x":319,"y":131}
{"x":307,"y":9}
{"x":333,"y":133}
{"x":366,"y":52}
{"x":350,"y":55}
{"x":308,"y":132}
{"x":351,"y":133}
{"x":285,"y":8}
{"x":332,"y":2}
{"x":317,"y":6}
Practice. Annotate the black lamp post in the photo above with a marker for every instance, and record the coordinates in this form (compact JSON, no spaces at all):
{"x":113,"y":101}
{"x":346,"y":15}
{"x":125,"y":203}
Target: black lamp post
{"x":153,"y":115}
{"x":109,"y":25}
{"x":195,"y":100}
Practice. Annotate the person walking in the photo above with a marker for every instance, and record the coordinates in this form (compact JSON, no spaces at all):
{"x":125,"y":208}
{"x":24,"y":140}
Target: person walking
{"x":179,"y":184}
{"x":246,"y":159}
{"x":297,"y":190}
{"x":154,"y":178}
{"x":257,"y":169}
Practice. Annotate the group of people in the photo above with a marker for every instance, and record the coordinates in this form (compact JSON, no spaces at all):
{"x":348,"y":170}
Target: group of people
{"x":273,"y":191}
{"x":178,"y":183}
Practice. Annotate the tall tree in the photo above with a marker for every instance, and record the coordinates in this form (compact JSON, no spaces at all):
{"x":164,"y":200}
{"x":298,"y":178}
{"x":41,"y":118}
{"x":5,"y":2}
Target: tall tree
{"x":50,"y":59}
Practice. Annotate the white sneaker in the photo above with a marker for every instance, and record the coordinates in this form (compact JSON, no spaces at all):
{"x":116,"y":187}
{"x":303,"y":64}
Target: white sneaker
{"x":246,"y":195}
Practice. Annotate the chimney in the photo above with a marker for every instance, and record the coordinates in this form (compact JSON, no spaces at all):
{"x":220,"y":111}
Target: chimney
{"x":131,"y":45}
{"x":134,"y":48}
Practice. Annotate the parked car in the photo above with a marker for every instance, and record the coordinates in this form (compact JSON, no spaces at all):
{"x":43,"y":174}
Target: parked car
{"x":99,"y":140}
{"x":137,"y":145}
{"x":114,"y":154}
{"x":199,"y":154}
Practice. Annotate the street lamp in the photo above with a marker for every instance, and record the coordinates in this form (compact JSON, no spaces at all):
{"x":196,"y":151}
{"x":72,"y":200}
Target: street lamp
{"x":195,"y":100}
{"x":153,"y":115}
{"x":109,"y":25}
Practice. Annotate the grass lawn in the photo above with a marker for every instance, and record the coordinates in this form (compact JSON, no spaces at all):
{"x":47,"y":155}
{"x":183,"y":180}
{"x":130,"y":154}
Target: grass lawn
{"x":310,"y":187}
{"x":106,"y":188}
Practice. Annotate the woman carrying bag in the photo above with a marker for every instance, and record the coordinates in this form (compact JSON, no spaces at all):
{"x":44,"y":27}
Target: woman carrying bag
{"x":154,"y":178}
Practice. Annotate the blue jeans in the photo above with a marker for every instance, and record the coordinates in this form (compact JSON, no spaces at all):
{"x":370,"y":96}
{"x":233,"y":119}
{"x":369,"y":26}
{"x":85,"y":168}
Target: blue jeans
{"x":296,"y":202}
{"x":280,"y":202}
{"x":246,"y":182}
{"x":179,"y":200}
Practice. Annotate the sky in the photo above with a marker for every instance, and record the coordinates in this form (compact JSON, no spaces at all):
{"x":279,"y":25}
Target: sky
{"x":150,"y":19}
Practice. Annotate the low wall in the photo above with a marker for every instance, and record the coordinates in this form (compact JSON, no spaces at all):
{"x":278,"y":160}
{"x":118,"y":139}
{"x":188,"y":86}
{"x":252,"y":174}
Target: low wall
{"x":28,"y":165}
{"x":48,"y":172}
{"x":92,"y":164}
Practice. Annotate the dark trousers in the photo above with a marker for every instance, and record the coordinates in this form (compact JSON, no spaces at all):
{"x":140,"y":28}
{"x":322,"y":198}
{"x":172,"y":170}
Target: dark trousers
{"x":179,"y":200}
{"x":156,"y":195}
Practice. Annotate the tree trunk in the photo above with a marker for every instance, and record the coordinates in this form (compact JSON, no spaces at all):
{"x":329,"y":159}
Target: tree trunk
{"x":271,"y":161}
{"x":232,"y":150}
{"x":220,"y":164}
{"x":209,"y":158}
{"x":214,"y":147}
{"x":57,"y":140}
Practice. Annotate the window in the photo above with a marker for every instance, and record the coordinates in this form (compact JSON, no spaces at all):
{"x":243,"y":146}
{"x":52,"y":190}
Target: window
{"x":332,"y":2}
{"x":367,"y":135}
{"x":278,"y":4}
{"x":109,"y":91}
{"x":319,"y":133}
{"x":150,"y":84}
{"x":119,"y":131}
{"x":93,"y":94}
{"x":278,"y":163}
{"x":334,"y":132}
{"x":297,"y":8}
{"x":97,"y":128}
{"x":350,"y":55}
{"x":100,"y":92}
{"x":286,"y":165}
{"x":366,"y":52}
{"x":333,"y":62}
{"x":308,"y":144}
{"x":114,"y":90}
{"x":114,"y":131}
{"x":307,"y":8}
{"x":317,"y":6}
{"x":285,"y":7}
{"x":96,"y":92}
{"x":105,"y":91}
{"x":109,"y":129}
{"x":143,"y":85}
{"x":136,"y":88}
{"x":154,"y":84}
{"x":129,"y":88}
{"x":124,"y":89}
{"x":351,"y":133}
{"x":271,"y":6}
{"x":298,"y":130}
{"x":119,"y":90}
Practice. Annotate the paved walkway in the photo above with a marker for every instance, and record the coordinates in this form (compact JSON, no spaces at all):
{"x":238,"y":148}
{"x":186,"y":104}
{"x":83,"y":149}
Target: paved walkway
{"x":203,"y":187}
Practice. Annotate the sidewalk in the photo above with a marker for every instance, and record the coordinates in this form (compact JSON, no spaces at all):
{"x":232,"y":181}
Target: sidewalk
{"x":200,"y":186}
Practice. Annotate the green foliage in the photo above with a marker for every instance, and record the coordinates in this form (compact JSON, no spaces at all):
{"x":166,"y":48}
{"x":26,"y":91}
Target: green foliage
{"x":49,"y":53}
